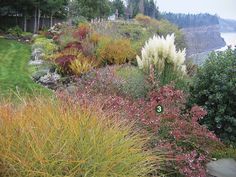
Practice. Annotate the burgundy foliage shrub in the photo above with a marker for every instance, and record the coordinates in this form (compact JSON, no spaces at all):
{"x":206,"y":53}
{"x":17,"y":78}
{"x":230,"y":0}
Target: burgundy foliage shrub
{"x":189,"y":142}
{"x":176,"y":131}
{"x":82,"y":32}
{"x":74,"y":45}
{"x":64,"y":61}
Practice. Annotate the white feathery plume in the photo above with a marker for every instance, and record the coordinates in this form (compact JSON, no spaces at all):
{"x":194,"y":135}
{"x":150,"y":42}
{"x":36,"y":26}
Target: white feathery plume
{"x":158,"y":51}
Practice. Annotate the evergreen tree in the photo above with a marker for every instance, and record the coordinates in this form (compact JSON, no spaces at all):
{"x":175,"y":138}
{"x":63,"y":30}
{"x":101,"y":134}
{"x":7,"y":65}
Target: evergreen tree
{"x":146,"y":7}
{"x":94,"y":8}
{"x":118,"y":5}
{"x":53,"y":6}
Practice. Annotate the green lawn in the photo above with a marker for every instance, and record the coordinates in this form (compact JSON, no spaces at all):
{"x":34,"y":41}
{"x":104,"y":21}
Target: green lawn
{"x":14,"y":70}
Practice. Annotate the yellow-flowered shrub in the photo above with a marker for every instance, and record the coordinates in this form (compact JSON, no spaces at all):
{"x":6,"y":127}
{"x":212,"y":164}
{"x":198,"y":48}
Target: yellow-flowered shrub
{"x":95,"y":37}
{"x":144,"y":20}
{"x":113,"y":51}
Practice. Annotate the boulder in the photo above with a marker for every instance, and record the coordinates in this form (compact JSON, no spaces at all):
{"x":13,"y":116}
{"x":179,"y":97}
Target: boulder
{"x":50,"y":78}
{"x":222,"y":168}
{"x":36,"y":76}
{"x":72,"y":89}
{"x":37,"y":54}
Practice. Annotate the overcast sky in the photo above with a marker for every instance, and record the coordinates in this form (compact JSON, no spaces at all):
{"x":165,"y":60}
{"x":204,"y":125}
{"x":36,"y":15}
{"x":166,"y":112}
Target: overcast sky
{"x":223,"y":8}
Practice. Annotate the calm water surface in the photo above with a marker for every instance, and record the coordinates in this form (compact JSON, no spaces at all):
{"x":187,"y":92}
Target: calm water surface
{"x":230,"y":39}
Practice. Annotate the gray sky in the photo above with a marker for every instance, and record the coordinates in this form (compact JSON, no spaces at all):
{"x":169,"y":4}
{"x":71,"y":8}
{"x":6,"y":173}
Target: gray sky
{"x":223,"y":8}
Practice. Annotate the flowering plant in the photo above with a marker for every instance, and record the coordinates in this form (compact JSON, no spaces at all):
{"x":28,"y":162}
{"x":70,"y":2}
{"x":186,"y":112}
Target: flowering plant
{"x":160,"y":53}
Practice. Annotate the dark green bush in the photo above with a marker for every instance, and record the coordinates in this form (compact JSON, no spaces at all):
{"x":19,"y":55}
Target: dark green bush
{"x":227,"y":152}
{"x":214,"y":87}
{"x":77,"y":20}
{"x":16,"y":31}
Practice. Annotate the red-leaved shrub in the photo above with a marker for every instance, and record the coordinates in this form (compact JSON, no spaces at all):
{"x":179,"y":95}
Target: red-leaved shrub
{"x":64,"y":62}
{"x":82,"y":32}
{"x":176,"y":130}
{"x":189,"y":142}
{"x":74,"y":45}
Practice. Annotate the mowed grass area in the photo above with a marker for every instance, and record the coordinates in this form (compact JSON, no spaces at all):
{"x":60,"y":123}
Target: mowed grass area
{"x":15,"y":72}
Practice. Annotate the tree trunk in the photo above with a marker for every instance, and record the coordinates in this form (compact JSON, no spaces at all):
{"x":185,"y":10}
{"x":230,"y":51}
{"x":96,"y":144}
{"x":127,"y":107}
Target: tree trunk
{"x":43,"y":22}
{"x":51,"y":20}
{"x":39,"y":16}
{"x":141,"y":6}
{"x":131,"y":11}
{"x":25,"y":23}
{"x":16,"y":15}
{"x":35,"y":19}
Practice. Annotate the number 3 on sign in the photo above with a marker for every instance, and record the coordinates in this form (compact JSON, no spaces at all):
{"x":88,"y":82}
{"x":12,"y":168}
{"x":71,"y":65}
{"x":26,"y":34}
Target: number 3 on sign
{"x":159,"y":109}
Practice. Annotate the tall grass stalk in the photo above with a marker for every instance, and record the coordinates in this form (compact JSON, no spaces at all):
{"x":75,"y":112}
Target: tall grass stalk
{"x":43,"y":137}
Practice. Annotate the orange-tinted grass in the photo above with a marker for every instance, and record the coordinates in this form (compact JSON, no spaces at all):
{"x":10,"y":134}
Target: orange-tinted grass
{"x":45,"y":137}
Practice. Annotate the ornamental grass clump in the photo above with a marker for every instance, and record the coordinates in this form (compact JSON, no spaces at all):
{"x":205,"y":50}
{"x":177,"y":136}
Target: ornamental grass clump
{"x":160,"y":54}
{"x":82,"y":64}
{"x":45,"y":137}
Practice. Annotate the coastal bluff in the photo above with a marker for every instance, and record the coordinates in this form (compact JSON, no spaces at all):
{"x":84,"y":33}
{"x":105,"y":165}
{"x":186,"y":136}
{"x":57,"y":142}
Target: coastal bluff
{"x":203,"y":39}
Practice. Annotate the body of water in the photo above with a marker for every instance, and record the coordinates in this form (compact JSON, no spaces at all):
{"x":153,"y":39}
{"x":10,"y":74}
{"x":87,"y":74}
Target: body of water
{"x":230,"y":39}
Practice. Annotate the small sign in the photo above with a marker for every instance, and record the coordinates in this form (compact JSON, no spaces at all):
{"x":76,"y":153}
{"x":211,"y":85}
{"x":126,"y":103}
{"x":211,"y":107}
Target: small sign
{"x":159,"y":109}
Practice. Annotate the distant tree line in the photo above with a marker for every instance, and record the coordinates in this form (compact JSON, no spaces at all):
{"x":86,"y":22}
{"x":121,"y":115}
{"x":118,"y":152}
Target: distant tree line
{"x":89,"y":9}
{"x":103,"y":8}
{"x":33,"y":8}
{"x":191,"y":20}
{"x":227,"y":25}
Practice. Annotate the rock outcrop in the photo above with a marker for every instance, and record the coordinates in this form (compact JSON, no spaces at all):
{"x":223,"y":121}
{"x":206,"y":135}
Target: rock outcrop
{"x":203,"y":39}
{"x":46,"y":73}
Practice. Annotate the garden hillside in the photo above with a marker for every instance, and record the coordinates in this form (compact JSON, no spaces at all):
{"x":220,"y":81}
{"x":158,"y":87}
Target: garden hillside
{"x":126,"y":102}
{"x":14,"y":70}
{"x":100,"y":43}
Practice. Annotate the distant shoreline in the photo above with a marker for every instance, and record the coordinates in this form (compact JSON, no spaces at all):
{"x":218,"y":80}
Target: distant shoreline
{"x":230,"y":40}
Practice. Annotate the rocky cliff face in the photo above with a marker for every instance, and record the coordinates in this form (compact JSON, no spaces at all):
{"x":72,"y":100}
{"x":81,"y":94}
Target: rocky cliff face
{"x":203,"y":39}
